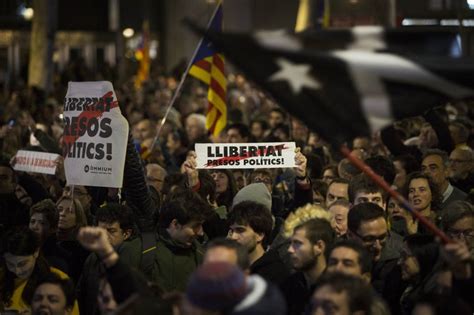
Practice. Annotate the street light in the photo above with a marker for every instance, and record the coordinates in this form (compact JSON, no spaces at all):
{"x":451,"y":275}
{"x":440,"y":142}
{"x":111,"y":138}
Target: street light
{"x":27,"y":13}
{"x":128,"y":32}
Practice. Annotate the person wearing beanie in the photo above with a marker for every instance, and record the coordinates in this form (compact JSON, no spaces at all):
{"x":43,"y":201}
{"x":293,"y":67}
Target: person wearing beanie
{"x":222,"y":288}
{"x":256,"y":192}
{"x":216,"y":286}
{"x":250,"y":225}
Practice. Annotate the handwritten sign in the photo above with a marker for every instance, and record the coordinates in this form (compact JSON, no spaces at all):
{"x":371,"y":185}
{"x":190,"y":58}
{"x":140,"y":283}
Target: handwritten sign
{"x":35,"y":162}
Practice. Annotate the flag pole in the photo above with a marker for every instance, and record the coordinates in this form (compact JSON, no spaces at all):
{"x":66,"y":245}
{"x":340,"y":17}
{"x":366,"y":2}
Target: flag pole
{"x":181,"y":82}
{"x":398,"y":197}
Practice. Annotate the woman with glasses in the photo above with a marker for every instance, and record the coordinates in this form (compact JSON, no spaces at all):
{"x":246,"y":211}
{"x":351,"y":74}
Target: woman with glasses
{"x":23,"y":266}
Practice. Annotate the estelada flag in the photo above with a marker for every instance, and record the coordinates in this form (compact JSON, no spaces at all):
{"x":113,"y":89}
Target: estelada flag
{"x":344,"y":93}
{"x":208,"y":66}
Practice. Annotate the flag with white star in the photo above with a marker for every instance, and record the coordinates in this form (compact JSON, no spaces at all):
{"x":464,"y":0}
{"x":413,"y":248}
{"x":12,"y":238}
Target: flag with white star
{"x":345,"y":93}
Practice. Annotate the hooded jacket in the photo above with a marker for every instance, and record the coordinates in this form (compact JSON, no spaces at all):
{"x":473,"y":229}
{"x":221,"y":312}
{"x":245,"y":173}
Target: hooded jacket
{"x":173,"y":263}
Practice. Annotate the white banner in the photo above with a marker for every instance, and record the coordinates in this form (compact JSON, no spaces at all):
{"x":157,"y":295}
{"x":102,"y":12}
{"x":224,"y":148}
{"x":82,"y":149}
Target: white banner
{"x":245,"y":155}
{"x":35,"y":162}
{"x":95,"y":135}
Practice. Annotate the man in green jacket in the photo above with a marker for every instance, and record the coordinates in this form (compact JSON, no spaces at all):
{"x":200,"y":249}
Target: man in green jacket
{"x":177,"y":252}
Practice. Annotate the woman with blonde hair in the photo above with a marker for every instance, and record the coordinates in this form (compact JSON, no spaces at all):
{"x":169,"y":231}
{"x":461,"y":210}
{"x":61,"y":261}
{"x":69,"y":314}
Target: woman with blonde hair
{"x":71,"y":217}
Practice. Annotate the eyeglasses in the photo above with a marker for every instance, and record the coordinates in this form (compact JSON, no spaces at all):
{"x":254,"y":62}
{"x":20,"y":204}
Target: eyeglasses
{"x":371,"y":239}
{"x":459,"y":234}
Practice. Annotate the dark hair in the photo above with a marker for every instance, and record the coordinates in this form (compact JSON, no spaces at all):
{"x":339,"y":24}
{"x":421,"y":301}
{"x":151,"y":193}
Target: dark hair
{"x":207,"y":188}
{"x":48,"y":209}
{"x":21,"y":242}
{"x":425,"y":250}
{"x":454,"y":212}
{"x":382,"y":166}
{"x":436,"y":197}
{"x":358,"y":292}
{"x":243,"y":130}
{"x":114,"y":212}
{"x":66,"y":286}
{"x":171,"y":180}
{"x":319,"y":186}
{"x":363,"y":183}
{"x":256,"y":215}
{"x":366,"y":211}
{"x":179,"y":135}
{"x":318,"y":229}
{"x":185,"y":206}
{"x":225,"y":198}
{"x":262,"y":123}
{"x":331,"y":167}
{"x":241,"y":252}
{"x":409,"y":162}
{"x":263,"y":172}
{"x":338,"y":180}
{"x":444,"y":156}
{"x":365,"y":260}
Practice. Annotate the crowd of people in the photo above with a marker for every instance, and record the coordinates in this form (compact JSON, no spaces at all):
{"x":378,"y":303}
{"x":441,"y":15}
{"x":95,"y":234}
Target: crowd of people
{"x":319,"y":238}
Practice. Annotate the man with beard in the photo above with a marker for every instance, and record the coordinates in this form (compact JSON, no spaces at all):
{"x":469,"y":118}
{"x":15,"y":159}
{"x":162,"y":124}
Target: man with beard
{"x":251,"y":224}
{"x":307,"y":249}
{"x":53,"y":296}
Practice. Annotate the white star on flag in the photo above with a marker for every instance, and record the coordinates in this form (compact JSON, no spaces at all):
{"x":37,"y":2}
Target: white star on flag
{"x":296,"y":75}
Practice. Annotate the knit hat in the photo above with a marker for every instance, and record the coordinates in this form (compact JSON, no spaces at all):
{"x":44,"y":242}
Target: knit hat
{"x":216,"y":286}
{"x":256,"y":192}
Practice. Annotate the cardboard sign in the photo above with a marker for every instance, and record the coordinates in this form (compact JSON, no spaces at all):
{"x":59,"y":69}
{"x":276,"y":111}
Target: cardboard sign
{"x":95,"y":135}
{"x":35,"y":162}
{"x":245,"y":155}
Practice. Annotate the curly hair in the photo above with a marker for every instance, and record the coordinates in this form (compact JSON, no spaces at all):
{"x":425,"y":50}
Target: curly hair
{"x":303,"y":215}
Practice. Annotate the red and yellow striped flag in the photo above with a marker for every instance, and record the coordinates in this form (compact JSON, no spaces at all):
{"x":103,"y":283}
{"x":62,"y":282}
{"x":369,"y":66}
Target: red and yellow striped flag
{"x":208,"y":66}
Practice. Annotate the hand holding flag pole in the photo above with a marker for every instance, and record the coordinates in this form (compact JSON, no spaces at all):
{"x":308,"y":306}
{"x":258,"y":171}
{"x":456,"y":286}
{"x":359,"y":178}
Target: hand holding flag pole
{"x":400,"y":199}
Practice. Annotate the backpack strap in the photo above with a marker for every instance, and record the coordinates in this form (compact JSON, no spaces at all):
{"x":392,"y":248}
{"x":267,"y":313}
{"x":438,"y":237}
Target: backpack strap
{"x":148,"y":252}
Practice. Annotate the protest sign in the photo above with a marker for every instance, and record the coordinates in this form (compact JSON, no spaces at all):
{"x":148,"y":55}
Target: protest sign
{"x":35,"y":162}
{"x":245,"y":155}
{"x":95,"y":135}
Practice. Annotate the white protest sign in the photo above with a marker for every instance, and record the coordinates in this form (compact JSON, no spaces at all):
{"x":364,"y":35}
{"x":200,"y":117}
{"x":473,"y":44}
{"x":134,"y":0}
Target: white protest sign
{"x":35,"y":162}
{"x":95,"y":135}
{"x":245,"y":155}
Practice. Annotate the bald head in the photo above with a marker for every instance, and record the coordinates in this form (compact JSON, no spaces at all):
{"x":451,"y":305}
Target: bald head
{"x":155,"y":175}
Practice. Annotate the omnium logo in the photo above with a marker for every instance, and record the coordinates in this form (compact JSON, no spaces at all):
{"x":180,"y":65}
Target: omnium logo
{"x":97,"y":169}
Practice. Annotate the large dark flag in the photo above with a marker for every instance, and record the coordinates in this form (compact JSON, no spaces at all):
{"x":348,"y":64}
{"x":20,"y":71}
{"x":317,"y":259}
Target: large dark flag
{"x":354,"y":82}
